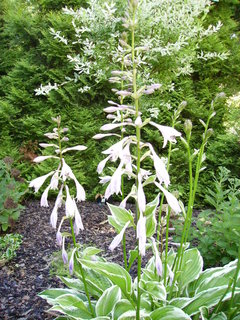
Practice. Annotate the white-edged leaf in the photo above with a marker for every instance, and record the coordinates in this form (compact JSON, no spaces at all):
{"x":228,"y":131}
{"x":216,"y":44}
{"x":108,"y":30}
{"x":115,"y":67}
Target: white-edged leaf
{"x":107,"y":301}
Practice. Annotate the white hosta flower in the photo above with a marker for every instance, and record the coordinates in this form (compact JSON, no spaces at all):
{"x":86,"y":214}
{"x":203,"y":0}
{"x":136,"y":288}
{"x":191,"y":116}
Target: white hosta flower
{"x":111,"y":126}
{"x":102,"y":135}
{"x":138,"y":121}
{"x":116,"y":241}
{"x":54,"y":180}
{"x":47,"y":145}
{"x":81,"y":195}
{"x":131,"y":194}
{"x":158,"y":261}
{"x":57,"y":205}
{"x":71,"y":262}
{"x":44,"y":201}
{"x":78,"y":148}
{"x":59,"y":238}
{"x":160,"y":168}
{"x":116,"y":150}
{"x":105,"y":179}
{"x":126,"y":157}
{"x":171,"y":200}
{"x":141,"y":234}
{"x":64,"y":253}
{"x":140,"y":195}
{"x":114,"y":186}
{"x":168,"y":133}
{"x":78,"y":225}
{"x":42,"y":158}
{"x":38,"y":182}
{"x":51,"y":135}
{"x":66,"y":171}
{"x":69,"y":204}
{"x":102,"y":164}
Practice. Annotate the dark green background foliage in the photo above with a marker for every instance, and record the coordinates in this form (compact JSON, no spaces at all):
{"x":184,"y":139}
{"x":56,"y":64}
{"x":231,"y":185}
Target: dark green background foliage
{"x":29,"y":56}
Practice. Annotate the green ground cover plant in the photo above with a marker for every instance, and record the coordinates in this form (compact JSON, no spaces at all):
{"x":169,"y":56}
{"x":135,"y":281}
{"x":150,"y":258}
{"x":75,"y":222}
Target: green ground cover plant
{"x":9,"y":244}
{"x":12,"y":189}
{"x":173,"y":284}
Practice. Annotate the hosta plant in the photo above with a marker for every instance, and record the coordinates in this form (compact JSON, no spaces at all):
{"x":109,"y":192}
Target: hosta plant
{"x":172,"y":285}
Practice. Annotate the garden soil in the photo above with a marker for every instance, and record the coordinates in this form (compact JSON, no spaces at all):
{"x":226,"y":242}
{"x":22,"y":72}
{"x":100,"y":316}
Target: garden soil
{"x":22,"y":278}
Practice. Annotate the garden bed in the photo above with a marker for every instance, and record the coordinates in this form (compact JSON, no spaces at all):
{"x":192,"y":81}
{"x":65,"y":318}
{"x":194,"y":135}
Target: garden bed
{"x":27,"y":274}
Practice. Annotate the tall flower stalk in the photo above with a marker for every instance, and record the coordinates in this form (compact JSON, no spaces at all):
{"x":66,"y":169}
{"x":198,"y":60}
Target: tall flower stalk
{"x":59,"y":181}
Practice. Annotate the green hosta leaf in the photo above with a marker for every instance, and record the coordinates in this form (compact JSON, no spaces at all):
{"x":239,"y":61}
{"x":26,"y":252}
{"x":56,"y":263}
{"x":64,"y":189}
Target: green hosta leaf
{"x":72,"y":283}
{"x":121,"y":307}
{"x":131,"y":315}
{"x":96,"y":282}
{"x":113,"y":272}
{"x":204,"y":313}
{"x":207,"y":298}
{"x":107,"y":301}
{"x":52,"y":294}
{"x":180,"y":302}
{"x":192,"y":266}
{"x":120,"y":215}
{"x":155,"y":289}
{"x":219,"y":316}
{"x":169,"y":313}
{"x":75,"y":313}
{"x":133,"y":254}
{"x":151,"y":221}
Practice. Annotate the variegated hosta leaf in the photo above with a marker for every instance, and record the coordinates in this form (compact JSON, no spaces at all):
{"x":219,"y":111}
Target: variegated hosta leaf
{"x":121,"y":307}
{"x":52,"y":294}
{"x":155,"y":289}
{"x":115,"y":273}
{"x":214,"y":277}
{"x":169,"y":313}
{"x":151,"y":221}
{"x":192,"y":265}
{"x":207,"y":298}
{"x":120,"y":216}
{"x":107,"y":301}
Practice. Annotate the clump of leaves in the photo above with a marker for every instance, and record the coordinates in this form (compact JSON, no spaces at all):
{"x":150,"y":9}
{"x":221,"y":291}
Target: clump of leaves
{"x":11,"y":192}
{"x":217,"y":230}
{"x":9,"y":244}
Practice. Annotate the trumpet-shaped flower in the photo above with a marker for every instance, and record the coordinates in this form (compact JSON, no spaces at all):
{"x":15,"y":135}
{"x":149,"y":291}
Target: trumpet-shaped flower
{"x":71,"y":262}
{"x":44,"y":201}
{"x":42,"y":158}
{"x":64,"y":252}
{"x":168,"y":133}
{"x":58,"y":204}
{"x":69,"y":204}
{"x":140,"y":195}
{"x":77,"y":148}
{"x":116,"y":241}
{"x":78,"y":225}
{"x":38,"y":182}
{"x":172,"y":201}
{"x":115,"y":183}
{"x":102,"y":164}
{"x":141,"y":234}
{"x":158,"y":261}
{"x":160,"y":168}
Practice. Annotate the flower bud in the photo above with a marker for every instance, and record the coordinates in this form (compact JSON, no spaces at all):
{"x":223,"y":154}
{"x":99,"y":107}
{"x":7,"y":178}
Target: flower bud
{"x":188,"y":127}
{"x":134,"y":3}
{"x":209,"y":133}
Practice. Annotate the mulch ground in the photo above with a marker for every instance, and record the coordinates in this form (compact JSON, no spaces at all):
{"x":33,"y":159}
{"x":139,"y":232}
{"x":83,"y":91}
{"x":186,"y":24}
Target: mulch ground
{"x":27,"y":274}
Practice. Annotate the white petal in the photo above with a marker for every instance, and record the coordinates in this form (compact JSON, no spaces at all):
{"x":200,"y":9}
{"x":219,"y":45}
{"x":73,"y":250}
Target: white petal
{"x":54,"y":181}
{"x":100,"y":135}
{"x":118,"y":238}
{"x":138,"y":121}
{"x":66,"y":171}
{"x":172,"y":201}
{"x":69,"y":204}
{"x":81,"y":195}
{"x":141,"y":234}
{"x":114,"y":186}
{"x":160,"y":168}
{"x":78,"y":225}
{"x":78,"y":148}
{"x":111,"y":126}
{"x":105,"y":179}
{"x":44,"y":201}
{"x":140,"y":195}
{"x":158,"y":261}
{"x":102,"y":164}
{"x":171,"y":275}
{"x":168,"y":133}
{"x":42,"y":158}
{"x":38,"y":182}
{"x":46,"y":145}
{"x":54,"y":214}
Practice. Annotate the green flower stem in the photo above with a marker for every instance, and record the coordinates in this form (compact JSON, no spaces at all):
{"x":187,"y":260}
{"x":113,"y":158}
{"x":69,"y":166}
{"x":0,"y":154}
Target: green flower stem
{"x":82,"y":272}
{"x":138,"y":156}
{"x":235,"y":280}
{"x":166,"y":246}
